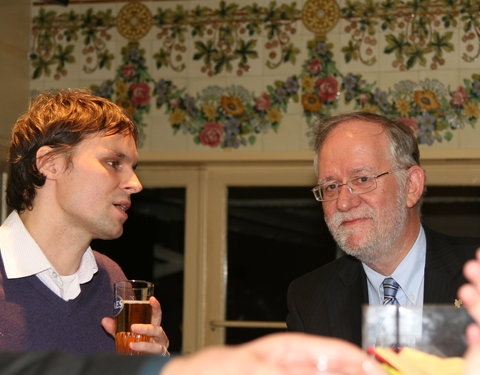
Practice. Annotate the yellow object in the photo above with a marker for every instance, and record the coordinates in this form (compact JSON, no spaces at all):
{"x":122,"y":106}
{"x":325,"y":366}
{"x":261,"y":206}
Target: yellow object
{"x":414,"y":362}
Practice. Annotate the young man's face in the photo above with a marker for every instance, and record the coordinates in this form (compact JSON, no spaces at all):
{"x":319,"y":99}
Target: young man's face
{"x":93,"y":193}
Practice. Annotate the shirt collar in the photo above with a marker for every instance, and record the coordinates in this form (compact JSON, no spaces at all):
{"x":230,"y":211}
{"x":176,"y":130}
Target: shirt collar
{"x":23,"y":257}
{"x":409,"y":274}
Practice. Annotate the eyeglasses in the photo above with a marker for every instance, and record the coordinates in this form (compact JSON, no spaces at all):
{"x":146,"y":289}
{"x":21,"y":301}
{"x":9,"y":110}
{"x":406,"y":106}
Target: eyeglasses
{"x":329,"y":191}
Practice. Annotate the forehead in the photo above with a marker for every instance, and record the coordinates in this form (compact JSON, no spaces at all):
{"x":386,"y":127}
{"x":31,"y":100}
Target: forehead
{"x":353,"y":146}
{"x":117,"y":143}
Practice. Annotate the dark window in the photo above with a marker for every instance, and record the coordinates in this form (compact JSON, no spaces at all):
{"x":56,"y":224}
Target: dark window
{"x":453,"y":210}
{"x":152,"y":248}
{"x":275,"y":234}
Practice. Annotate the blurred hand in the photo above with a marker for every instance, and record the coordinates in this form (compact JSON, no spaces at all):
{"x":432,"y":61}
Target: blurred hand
{"x":470,"y":296}
{"x":470,"y":293}
{"x":472,"y":357}
{"x":278,"y":354}
{"x":158,"y":339}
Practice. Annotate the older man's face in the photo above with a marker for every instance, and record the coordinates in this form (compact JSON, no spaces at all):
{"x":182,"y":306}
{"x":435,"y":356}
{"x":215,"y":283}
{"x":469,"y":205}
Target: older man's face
{"x":367,"y":224}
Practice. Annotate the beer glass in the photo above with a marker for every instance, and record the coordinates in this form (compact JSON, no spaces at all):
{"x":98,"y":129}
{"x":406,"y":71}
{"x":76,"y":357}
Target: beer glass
{"x":437,"y":329}
{"x":131,"y":306}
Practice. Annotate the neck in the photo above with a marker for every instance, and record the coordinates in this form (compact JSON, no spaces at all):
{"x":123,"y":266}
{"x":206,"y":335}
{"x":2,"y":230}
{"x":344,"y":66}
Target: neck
{"x":62,"y":248}
{"x":388,"y":259}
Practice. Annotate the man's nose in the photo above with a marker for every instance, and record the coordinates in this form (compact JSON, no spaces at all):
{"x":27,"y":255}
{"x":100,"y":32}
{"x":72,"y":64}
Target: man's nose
{"x":133,"y":185}
{"x":346,"y":198}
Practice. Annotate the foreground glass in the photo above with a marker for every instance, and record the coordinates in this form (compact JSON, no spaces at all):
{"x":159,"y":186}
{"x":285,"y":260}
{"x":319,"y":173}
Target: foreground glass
{"x":131,"y":306}
{"x":434,"y":329}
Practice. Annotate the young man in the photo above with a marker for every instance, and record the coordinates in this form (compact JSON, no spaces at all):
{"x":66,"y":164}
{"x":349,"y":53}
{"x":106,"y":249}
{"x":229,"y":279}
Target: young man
{"x":71,"y":173}
{"x":370,"y":185}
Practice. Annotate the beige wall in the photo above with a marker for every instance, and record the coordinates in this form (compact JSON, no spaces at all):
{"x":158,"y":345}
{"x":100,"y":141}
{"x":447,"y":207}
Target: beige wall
{"x":14,"y":66}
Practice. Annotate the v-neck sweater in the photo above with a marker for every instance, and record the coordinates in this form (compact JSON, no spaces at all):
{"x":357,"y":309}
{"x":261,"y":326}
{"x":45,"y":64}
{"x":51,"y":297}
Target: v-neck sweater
{"x":33,"y":318}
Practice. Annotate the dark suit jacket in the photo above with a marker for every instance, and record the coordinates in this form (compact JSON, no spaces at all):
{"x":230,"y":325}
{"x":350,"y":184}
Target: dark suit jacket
{"x":328,"y":301}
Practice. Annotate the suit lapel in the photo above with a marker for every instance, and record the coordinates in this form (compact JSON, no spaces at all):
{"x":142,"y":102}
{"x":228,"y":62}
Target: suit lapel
{"x":347,"y":300}
{"x":442,"y":270}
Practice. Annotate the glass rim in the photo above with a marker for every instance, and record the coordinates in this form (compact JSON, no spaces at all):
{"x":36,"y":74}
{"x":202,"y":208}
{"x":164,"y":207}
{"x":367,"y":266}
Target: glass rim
{"x":133,"y":284}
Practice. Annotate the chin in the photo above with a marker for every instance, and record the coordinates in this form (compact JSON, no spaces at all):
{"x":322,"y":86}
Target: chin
{"x":354,"y":242}
{"x":352,"y":246}
{"x":110,"y":236}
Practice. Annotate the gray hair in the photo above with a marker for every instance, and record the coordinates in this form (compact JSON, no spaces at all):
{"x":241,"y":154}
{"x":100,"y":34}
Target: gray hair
{"x":403,"y":144}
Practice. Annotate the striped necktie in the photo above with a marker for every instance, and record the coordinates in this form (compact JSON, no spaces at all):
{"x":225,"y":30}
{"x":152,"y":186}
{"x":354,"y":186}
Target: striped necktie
{"x":390,"y":288}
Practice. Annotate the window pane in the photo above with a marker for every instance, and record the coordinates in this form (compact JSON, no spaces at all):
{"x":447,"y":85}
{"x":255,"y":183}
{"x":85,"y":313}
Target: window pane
{"x":152,"y":248}
{"x":453,"y":210}
{"x":275,"y":234}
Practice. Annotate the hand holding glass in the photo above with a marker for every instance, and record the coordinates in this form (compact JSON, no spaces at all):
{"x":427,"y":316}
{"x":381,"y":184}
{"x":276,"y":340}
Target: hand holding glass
{"x":131,"y":306}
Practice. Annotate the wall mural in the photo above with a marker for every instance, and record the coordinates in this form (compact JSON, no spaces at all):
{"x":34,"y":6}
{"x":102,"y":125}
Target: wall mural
{"x":225,"y":39}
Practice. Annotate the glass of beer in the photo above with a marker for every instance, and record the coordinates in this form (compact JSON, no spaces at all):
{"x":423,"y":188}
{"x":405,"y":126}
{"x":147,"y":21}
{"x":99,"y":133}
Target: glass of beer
{"x":131,"y":306}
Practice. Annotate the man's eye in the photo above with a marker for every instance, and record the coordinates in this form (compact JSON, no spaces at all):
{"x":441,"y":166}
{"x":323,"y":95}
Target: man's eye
{"x":361,"y":180}
{"x":330,"y":187}
{"x":113,"y":163}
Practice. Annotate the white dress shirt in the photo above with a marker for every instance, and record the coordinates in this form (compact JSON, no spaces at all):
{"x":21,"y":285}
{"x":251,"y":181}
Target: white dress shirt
{"x":22,"y":257}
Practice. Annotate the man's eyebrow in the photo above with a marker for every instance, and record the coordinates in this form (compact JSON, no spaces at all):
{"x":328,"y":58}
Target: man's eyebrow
{"x":321,"y":181}
{"x":123,"y":156}
{"x":352,"y":173}
{"x":362,"y":170}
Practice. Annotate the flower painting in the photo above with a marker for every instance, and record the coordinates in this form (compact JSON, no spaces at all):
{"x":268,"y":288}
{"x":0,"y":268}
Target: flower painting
{"x":226,"y":117}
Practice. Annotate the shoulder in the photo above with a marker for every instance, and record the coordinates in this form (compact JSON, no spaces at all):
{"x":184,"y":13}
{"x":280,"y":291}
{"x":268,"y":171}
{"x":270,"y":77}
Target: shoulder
{"x":445,"y":252}
{"x":323,"y":276}
{"x":109,"y":266}
{"x":441,"y":241}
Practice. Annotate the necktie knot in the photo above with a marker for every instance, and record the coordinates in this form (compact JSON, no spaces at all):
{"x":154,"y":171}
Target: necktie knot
{"x":390,"y":289}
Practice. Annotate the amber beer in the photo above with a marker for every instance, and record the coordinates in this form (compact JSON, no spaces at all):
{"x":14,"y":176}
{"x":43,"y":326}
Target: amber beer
{"x":132,"y":312}
{"x":131,"y":306}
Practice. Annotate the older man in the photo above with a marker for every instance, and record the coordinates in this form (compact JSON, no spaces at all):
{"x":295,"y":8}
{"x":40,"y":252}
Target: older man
{"x":370,"y":185}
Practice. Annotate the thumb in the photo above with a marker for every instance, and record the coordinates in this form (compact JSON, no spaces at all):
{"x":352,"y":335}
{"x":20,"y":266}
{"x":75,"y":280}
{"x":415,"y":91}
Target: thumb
{"x":108,"y":325}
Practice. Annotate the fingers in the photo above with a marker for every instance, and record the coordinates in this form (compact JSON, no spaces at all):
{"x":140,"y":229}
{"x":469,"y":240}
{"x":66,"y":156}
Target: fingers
{"x":159,"y":342}
{"x":279,"y":354}
{"x":470,"y":293}
{"x":315,"y":355}
{"x":472,"y":357}
{"x":473,"y":334}
{"x":471,"y":270}
{"x":156,"y":311}
{"x":149,"y":348}
{"x":155,"y":332}
{"x":470,"y":297}
{"x":365,"y":366}
{"x":345,"y":359}
{"x":158,"y":339}
{"x":108,"y":325}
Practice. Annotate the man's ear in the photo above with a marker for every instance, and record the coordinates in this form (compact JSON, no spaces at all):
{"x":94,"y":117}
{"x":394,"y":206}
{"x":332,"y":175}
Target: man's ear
{"x":47,"y":163}
{"x":415,"y":185}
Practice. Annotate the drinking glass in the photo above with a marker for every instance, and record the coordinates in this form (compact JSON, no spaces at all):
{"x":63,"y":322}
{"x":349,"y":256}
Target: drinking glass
{"x":131,"y":306}
{"x":434,"y":329}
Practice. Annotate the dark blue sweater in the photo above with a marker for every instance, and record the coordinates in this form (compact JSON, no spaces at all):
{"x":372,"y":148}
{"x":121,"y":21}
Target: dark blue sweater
{"x":34,"y":318}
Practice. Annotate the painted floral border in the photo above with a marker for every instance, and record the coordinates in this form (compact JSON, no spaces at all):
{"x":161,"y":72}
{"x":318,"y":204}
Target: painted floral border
{"x":225,"y":38}
{"x":232,"y":117}
{"x":417,"y":33}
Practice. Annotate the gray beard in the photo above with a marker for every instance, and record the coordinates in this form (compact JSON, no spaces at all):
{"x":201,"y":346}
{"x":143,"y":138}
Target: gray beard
{"x":380,"y":242}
